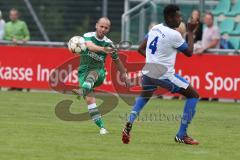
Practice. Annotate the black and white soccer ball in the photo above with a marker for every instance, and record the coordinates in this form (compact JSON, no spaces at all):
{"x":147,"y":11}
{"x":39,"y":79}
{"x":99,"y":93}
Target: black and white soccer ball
{"x":76,"y":44}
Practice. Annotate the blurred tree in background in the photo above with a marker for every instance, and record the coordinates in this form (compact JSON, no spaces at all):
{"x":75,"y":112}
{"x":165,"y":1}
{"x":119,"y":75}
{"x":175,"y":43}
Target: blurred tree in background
{"x":63,"y":19}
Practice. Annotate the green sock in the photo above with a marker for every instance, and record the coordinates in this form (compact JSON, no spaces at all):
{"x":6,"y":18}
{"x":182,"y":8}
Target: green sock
{"x":87,"y":85}
{"x":99,"y":122}
{"x":95,"y":115}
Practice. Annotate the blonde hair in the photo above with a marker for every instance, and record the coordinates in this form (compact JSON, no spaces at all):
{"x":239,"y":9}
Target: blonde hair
{"x":182,"y":29}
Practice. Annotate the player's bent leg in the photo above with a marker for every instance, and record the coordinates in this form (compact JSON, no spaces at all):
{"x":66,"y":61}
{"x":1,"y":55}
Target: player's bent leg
{"x":139,"y":104}
{"x":89,"y":82}
{"x":189,"y":111}
{"x":189,"y":92}
{"x":148,"y":89}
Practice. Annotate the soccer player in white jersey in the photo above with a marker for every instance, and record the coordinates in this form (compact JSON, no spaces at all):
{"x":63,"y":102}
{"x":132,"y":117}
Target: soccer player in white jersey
{"x":160,"y":48}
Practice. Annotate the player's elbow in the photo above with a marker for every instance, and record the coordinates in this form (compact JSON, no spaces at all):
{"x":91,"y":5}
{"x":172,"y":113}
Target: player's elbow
{"x":188,"y":53}
{"x":142,"y":47}
{"x":140,"y":50}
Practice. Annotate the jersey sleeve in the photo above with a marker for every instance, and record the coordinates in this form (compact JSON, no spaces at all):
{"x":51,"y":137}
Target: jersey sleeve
{"x":178,"y":42}
{"x":146,"y":37}
{"x":87,"y":36}
{"x":115,"y":56}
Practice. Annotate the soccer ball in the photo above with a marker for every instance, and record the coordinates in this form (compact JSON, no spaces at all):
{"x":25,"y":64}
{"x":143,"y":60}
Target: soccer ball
{"x":76,"y":44}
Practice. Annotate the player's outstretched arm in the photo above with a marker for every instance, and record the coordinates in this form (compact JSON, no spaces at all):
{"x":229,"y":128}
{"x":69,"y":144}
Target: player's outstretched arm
{"x":191,"y":27}
{"x":142,"y":48}
{"x":123,"y":71}
{"x":95,"y":48}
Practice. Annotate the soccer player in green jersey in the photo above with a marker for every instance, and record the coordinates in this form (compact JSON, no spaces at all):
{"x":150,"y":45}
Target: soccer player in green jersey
{"x":91,"y":72}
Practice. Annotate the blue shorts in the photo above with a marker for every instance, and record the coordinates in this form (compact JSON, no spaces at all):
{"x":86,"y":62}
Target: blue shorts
{"x":173,"y":84}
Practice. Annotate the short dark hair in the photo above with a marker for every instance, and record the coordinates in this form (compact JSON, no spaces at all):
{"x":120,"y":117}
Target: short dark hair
{"x":210,"y":14}
{"x":170,"y":10}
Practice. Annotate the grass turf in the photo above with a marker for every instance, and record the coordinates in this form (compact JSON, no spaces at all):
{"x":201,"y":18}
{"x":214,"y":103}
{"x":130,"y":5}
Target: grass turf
{"x":29,"y":129}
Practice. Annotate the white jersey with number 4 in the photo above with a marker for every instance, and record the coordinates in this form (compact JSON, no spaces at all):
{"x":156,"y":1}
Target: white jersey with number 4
{"x":162,"y":46}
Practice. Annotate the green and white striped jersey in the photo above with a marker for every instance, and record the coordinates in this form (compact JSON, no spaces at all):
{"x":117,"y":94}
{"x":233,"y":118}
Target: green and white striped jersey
{"x":95,"y":60}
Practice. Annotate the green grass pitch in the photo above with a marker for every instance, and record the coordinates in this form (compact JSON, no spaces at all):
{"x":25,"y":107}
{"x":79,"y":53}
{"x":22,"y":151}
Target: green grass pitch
{"x":30,"y":130}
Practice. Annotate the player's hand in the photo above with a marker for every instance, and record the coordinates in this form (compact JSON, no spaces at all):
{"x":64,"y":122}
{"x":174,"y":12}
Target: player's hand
{"x":192,"y":25}
{"x":200,"y":51}
{"x":109,"y":50}
{"x":126,"y":79}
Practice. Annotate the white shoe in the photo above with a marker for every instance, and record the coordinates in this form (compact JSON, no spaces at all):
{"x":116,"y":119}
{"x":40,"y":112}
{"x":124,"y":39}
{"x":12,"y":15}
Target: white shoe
{"x":103,"y":131}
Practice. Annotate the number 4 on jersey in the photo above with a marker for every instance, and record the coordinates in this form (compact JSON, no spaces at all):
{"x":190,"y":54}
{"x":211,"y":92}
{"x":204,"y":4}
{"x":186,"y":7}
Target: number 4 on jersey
{"x":153,"y":45}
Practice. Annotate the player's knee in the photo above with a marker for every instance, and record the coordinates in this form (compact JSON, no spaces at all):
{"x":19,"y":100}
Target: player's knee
{"x":195,"y":94}
{"x":85,"y":91}
{"x":146,"y":96}
{"x":191,"y":93}
{"x":86,"y":86}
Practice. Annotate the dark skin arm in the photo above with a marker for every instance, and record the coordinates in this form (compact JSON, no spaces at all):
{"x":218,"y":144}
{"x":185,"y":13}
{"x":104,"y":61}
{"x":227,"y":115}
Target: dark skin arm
{"x":142,"y":47}
{"x":191,"y":26}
